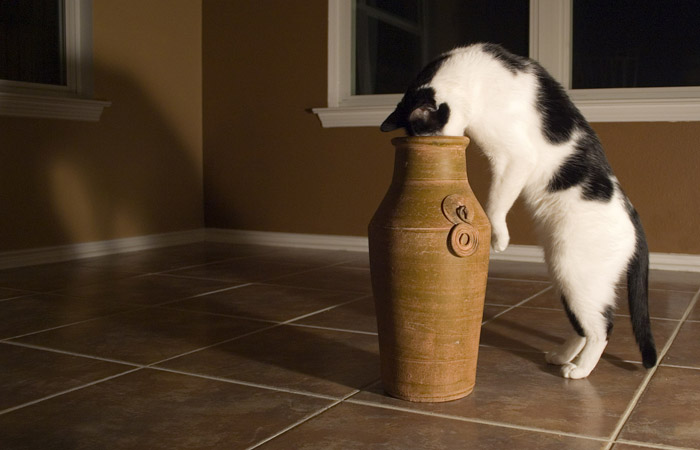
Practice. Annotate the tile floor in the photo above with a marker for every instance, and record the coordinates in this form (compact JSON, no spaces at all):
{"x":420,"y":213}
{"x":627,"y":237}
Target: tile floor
{"x":240,"y":347}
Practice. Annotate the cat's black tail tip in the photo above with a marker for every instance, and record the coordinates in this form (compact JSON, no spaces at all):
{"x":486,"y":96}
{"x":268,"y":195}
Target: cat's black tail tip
{"x":649,"y":357}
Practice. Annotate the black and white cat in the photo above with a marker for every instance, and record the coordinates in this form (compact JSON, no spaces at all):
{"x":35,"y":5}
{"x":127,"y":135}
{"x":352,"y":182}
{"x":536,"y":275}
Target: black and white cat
{"x":540,"y":147}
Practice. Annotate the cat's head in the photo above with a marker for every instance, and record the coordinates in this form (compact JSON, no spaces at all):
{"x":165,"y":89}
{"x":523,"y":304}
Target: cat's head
{"x":418,"y":113}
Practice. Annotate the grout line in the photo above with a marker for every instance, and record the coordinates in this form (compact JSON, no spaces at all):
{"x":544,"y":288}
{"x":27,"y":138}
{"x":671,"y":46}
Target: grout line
{"x":302,"y":421}
{"x":651,"y":445}
{"x":476,"y":420}
{"x":647,"y":379}
{"x":678,"y":366}
{"x":516,"y":305}
{"x":67,"y":391}
{"x":245,"y":383}
{"x":79,"y":355}
{"x":317,"y":413}
{"x":344,"y":330}
{"x":126,"y":311}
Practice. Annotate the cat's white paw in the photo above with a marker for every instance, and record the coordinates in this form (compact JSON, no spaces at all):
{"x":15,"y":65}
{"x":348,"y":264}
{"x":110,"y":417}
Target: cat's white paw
{"x":499,"y":237}
{"x":556,"y":358}
{"x":574,"y":372}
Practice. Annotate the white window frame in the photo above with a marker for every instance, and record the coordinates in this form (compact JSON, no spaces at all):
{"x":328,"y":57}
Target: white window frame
{"x":550,"y":44}
{"x":74,"y":100}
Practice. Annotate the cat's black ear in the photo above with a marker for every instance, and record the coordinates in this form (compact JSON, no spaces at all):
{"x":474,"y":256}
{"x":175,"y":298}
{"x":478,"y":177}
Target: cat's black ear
{"x":391,"y":123}
{"x":422,"y":113}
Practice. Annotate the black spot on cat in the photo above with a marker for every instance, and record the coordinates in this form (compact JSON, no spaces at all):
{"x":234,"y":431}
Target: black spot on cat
{"x":560,"y":117}
{"x":587,"y":167}
{"x":512,"y":62}
{"x":572,"y":318}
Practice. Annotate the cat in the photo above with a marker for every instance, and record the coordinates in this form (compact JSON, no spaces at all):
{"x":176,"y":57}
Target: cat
{"x":541,"y":148}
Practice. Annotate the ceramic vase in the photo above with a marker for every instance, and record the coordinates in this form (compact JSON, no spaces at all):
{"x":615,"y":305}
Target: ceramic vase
{"x":429,"y":254}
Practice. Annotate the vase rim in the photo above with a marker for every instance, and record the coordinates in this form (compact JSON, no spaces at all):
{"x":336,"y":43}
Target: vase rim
{"x":431,"y":140}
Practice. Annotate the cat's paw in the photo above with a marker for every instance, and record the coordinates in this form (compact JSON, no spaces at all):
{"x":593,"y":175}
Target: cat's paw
{"x":499,"y":237}
{"x":574,"y":372}
{"x":556,"y":358}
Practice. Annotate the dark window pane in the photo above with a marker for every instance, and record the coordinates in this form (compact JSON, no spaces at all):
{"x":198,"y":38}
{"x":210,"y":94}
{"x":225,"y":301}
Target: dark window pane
{"x":395,"y":39}
{"x":636,"y":43}
{"x":31,"y":41}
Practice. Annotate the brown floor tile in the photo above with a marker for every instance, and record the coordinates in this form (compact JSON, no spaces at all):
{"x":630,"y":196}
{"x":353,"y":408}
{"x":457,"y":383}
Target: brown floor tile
{"x":306,"y":359}
{"x":521,"y":389}
{"x":334,"y":278}
{"x":629,"y":446}
{"x":358,"y":316}
{"x":171,"y":258}
{"x":541,"y":330}
{"x":510,"y":292}
{"x":695,"y":313}
{"x":684,"y":350}
{"x":353,"y":426}
{"x":144,"y":336}
{"x":518,"y":270}
{"x":242,"y":270}
{"x":28,"y":374}
{"x":52,"y":277}
{"x":490,"y":311}
{"x":151,"y":409}
{"x":43,"y":311}
{"x":6,"y":294}
{"x":680,"y":281}
{"x":291,"y":255}
{"x":669,"y":410}
{"x":266,"y":302}
{"x":663,"y":304}
{"x":146,"y":290}
{"x":359,"y":261}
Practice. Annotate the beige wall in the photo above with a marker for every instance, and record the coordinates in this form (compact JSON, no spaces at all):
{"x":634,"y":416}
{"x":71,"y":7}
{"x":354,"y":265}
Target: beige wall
{"x":269,"y":165}
{"x":210,"y":118}
{"x":138,"y":170}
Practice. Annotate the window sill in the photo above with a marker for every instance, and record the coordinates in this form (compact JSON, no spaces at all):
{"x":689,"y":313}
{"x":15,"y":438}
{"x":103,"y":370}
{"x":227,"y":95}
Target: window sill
{"x":595,"y":110}
{"x":51,"y":107}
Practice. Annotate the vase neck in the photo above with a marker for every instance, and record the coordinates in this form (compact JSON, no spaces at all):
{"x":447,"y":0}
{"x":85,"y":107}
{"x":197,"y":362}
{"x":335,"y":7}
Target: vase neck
{"x":429,"y":162}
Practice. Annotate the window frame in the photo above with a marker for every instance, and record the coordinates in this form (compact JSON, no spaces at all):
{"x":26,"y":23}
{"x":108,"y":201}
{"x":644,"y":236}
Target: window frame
{"x":550,"y":44}
{"x":72,"y":101}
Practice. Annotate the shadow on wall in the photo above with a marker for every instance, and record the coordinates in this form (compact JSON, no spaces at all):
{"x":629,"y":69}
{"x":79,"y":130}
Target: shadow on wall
{"x":135,"y":172}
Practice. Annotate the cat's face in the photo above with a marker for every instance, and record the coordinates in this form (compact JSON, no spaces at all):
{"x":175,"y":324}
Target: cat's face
{"x":419,"y":114}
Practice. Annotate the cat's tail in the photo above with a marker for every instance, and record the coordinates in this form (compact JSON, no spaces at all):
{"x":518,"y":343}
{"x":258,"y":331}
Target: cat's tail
{"x":638,"y":294}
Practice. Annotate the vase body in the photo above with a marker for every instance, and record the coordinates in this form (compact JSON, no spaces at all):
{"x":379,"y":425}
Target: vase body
{"x":429,"y":253}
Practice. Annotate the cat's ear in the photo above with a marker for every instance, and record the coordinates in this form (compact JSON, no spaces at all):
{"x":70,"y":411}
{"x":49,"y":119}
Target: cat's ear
{"x":391,"y":123}
{"x":422,"y":113}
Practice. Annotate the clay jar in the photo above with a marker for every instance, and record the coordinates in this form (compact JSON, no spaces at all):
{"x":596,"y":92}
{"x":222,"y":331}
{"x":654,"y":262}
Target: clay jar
{"x":429,"y":253}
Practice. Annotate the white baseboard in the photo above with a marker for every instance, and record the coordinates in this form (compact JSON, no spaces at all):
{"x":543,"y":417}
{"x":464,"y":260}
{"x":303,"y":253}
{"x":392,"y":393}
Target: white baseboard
{"x":45,"y":255}
{"x":521,"y":253}
{"x":317,"y":241}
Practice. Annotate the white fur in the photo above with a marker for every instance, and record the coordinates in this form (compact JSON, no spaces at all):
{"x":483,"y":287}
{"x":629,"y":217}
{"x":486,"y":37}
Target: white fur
{"x":588,"y":244}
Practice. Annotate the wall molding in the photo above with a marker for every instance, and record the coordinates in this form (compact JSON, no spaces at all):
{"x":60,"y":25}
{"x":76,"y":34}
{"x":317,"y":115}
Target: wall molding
{"x":521,"y":253}
{"x":46,"y":255}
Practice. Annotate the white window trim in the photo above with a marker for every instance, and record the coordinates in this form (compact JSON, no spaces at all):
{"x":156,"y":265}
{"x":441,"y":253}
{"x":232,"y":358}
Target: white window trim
{"x":550,"y":44}
{"x":73,"y":101}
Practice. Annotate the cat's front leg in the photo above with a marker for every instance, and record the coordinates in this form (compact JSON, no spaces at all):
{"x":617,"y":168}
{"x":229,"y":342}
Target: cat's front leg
{"x":508,"y":180}
{"x":500,"y":237}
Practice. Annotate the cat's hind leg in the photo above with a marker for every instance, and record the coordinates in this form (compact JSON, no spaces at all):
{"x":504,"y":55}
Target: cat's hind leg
{"x":567,"y":351}
{"x":596,"y":326}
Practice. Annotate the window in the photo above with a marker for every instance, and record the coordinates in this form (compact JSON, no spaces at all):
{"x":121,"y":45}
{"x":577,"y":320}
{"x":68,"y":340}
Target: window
{"x":46,"y":58}
{"x":394,"y":39}
{"x":579,"y":42}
